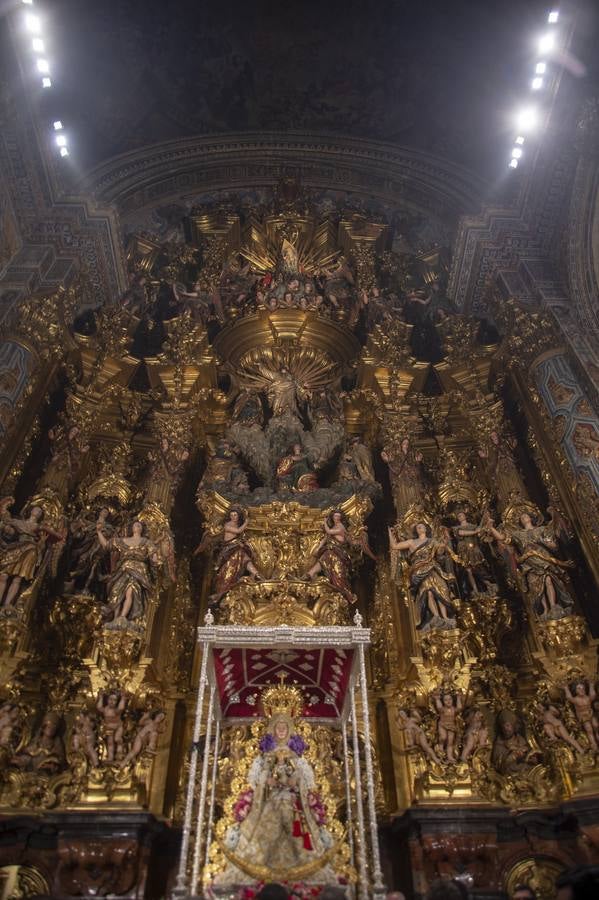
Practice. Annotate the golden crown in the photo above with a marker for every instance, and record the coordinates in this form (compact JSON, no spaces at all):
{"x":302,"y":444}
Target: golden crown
{"x":282,"y":699}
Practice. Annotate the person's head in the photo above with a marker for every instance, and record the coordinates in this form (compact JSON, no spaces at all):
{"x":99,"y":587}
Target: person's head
{"x":461,"y":516}
{"x":337,"y":517}
{"x":112,"y":700}
{"x":272,"y":891}
{"x":495,"y":437}
{"x":137,"y":528}
{"x":420,"y":530}
{"x":447,"y":700}
{"x":580,"y":689}
{"x":405,"y":444}
{"x":332,"y":892}
{"x":581,"y":883}
{"x":297,"y":449}
{"x":526,"y":520}
{"x":523,"y":892}
{"x":445,"y":889}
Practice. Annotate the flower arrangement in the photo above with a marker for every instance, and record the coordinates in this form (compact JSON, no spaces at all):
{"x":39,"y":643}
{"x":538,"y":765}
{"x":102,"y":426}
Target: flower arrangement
{"x":243,"y":804}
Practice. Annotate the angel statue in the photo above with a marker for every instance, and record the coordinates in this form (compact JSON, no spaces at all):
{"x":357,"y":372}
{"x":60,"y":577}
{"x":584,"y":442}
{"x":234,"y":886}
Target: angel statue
{"x":332,"y":556}
{"x":236,"y":557}
{"x":21,"y":560}
{"x":448,"y":710}
{"x":543,"y":573}
{"x":410,"y":722}
{"x":430,"y":584}
{"x":279,"y":819}
{"x":132,"y":578}
{"x":553,"y":727}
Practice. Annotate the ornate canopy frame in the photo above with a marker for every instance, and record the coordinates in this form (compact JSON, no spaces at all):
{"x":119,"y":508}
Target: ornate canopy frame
{"x":348,"y":641}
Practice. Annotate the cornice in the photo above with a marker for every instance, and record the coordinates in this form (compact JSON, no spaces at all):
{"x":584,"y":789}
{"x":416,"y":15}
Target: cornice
{"x":164,"y":171}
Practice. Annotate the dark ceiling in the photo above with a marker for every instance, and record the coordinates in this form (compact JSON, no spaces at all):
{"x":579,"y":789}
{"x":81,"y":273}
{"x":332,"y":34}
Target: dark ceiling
{"x":438,"y":75}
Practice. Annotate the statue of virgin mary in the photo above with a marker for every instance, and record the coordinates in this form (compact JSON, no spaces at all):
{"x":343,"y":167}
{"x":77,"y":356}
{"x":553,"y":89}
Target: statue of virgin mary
{"x":279,"y":829}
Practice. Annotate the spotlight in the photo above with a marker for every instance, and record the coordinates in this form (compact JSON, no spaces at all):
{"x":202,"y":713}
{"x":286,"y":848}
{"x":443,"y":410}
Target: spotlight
{"x":61,"y":140}
{"x":527,"y":119}
{"x":546,"y":43}
{"x":27,"y":2}
{"x":537,"y":84}
{"x":46,"y":82}
{"x":513,"y":163}
{"x":58,"y":125}
{"x":519,"y":140}
{"x":64,"y":151}
{"x":553,"y":17}
{"x":516,"y":153}
{"x":32,"y":23}
{"x":540,"y":68}
{"x":43,"y":65}
{"x":38,"y":45}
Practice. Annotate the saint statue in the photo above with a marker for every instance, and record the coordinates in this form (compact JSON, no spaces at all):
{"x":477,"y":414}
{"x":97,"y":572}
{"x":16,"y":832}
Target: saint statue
{"x":430,"y":584}
{"x":45,"y":753}
{"x":511,"y":754}
{"x":224,"y":471}
{"x":89,"y":568}
{"x":500,"y":473}
{"x":279,"y":818}
{"x":407,"y":475}
{"x":472,"y":563}
{"x":295,"y":473}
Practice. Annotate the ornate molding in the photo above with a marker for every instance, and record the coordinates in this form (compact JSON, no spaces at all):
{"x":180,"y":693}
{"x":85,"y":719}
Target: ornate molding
{"x":394,"y":174}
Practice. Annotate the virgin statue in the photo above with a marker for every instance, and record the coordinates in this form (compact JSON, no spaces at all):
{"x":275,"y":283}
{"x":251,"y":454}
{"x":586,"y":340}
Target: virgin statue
{"x":279,"y":829}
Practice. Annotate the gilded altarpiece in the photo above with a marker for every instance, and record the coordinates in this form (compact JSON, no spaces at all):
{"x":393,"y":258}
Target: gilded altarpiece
{"x":283,"y":423}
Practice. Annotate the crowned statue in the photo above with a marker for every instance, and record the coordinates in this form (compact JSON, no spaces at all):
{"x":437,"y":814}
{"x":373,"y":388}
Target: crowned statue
{"x":278,"y":827}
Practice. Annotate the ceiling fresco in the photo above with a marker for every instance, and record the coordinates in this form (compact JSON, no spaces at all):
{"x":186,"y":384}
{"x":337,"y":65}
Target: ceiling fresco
{"x":441,"y":77}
